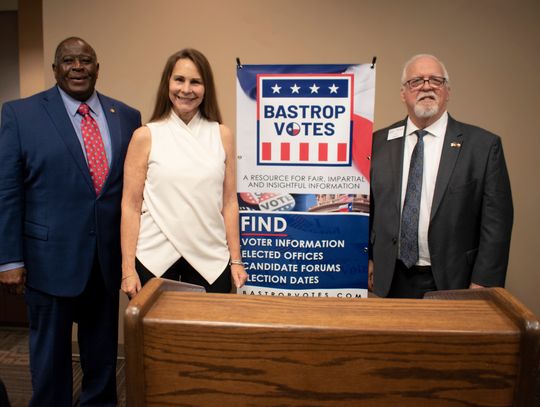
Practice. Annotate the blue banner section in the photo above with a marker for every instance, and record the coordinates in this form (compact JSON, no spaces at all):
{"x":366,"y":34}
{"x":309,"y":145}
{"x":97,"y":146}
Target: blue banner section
{"x":302,"y":88}
{"x":305,"y":251}
{"x":247,"y":74}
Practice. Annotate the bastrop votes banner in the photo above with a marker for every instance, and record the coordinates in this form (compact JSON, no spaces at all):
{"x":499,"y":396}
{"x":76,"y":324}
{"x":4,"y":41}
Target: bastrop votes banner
{"x":303,"y":149}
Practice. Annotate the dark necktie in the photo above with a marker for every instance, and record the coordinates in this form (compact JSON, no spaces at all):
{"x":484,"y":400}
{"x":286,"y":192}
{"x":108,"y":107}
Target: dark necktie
{"x":95,"y":150}
{"x":408,"y":249}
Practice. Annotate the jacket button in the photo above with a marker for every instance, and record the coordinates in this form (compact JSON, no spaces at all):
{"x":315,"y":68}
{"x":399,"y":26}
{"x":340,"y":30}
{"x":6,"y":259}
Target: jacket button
{"x":394,"y":240}
{"x":92,"y":232}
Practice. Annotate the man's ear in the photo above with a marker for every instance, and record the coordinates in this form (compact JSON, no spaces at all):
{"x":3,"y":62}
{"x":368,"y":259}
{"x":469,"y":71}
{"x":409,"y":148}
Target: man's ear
{"x":402,"y":94}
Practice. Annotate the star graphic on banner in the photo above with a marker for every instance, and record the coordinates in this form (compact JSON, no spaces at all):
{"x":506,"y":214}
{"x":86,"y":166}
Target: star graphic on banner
{"x":295,"y":88}
{"x":333,"y":88}
{"x":314,"y":88}
{"x":276,"y":88}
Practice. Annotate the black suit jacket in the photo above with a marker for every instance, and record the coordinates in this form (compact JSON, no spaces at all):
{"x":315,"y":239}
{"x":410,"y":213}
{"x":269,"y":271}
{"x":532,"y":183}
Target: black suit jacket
{"x":471,"y":214}
{"x":50,"y":216}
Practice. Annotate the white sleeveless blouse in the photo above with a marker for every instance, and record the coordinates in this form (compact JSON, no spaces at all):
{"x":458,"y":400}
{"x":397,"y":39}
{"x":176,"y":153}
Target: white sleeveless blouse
{"x":183,"y":198}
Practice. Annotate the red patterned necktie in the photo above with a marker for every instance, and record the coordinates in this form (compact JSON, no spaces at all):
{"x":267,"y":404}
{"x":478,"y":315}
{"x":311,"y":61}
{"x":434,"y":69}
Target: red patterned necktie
{"x":95,"y":150}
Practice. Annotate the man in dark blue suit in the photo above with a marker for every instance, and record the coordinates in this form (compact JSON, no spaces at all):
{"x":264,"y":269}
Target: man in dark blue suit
{"x":60,"y":226}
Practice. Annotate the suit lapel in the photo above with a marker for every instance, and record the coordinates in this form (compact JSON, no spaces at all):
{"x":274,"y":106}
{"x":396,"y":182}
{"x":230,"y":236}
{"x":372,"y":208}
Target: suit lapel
{"x":396,"y":147}
{"x":453,"y":141}
{"x":113,"y":121}
{"x":54,"y":106}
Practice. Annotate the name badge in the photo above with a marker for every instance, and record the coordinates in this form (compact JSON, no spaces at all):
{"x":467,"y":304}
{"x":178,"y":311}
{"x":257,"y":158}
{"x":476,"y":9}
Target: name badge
{"x":396,"y":133}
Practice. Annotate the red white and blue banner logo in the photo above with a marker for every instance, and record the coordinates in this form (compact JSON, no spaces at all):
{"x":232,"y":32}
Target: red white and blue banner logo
{"x":304,"y":119}
{"x":303,"y":148}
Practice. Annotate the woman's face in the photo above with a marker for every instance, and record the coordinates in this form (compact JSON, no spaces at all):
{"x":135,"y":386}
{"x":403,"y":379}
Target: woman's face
{"x":186,"y":89}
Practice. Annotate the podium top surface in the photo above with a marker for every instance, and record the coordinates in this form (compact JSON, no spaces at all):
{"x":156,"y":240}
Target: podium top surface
{"x":372,"y":314}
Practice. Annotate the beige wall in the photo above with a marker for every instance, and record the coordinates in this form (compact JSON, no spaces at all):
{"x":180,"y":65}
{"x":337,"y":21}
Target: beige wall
{"x":31,"y":66}
{"x":9,"y":63}
{"x":490,"y":48}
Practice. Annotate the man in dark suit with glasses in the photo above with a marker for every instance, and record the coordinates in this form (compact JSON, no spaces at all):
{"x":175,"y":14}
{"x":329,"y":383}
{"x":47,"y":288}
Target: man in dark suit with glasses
{"x":441,"y":204}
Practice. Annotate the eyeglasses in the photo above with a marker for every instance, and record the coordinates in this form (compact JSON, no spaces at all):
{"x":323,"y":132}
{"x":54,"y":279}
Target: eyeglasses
{"x":434,"y":81}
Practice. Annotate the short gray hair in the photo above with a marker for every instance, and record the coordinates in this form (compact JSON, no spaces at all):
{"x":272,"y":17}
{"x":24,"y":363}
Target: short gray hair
{"x":417,"y":56}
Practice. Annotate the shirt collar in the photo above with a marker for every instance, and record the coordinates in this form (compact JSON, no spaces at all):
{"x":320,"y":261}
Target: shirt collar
{"x":437,"y":129}
{"x":192,"y":123}
{"x":72,"y":104}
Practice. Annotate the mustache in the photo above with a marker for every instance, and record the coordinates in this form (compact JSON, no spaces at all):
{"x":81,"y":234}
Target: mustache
{"x":429,"y":94}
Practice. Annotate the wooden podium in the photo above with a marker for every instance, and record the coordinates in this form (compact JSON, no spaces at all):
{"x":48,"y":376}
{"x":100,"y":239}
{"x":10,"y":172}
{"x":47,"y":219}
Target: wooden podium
{"x":458,"y":348}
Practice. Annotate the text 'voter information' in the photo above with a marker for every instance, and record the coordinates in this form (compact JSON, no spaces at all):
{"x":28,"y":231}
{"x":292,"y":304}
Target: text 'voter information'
{"x":304,"y":119}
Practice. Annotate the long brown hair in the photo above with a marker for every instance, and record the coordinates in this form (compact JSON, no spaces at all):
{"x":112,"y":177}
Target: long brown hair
{"x":209,"y":108}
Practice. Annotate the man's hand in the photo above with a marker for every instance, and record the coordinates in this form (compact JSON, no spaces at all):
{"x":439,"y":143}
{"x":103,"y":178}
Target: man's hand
{"x":473,"y":285}
{"x":14,"y":280}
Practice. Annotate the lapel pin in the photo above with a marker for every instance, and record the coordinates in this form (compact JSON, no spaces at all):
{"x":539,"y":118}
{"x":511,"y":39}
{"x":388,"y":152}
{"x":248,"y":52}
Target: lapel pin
{"x":112,"y":110}
{"x":455,"y":145}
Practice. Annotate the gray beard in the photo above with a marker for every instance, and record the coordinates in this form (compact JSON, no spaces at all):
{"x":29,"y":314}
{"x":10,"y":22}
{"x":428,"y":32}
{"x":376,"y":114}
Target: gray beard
{"x":425,"y":112}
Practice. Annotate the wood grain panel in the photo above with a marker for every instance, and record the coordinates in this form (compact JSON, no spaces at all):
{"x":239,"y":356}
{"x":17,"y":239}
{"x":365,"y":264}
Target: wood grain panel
{"x":294,"y":367}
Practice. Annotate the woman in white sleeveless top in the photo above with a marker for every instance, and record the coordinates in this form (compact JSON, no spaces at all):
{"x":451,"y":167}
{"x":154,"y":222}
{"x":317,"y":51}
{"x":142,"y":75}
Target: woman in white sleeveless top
{"x":179,"y":204}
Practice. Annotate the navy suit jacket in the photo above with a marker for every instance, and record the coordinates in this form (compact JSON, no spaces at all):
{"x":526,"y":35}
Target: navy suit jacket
{"x":50,"y":216}
{"x":471,"y":214}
